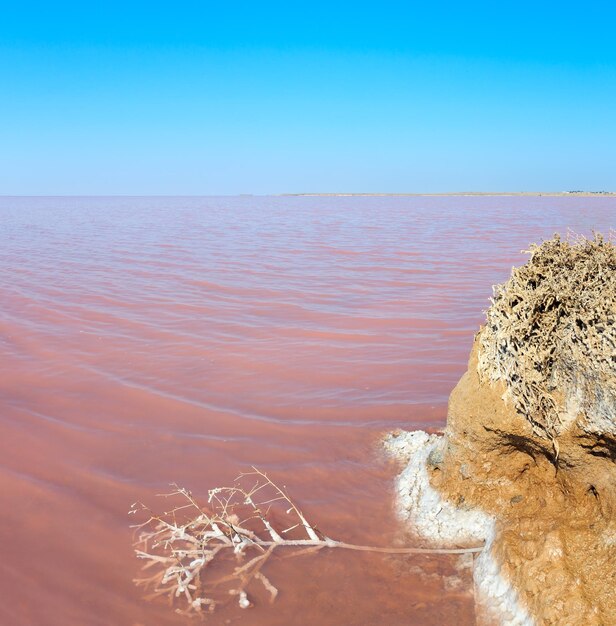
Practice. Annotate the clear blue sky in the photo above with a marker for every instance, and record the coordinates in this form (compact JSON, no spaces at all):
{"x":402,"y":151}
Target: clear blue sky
{"x":267,"y":97}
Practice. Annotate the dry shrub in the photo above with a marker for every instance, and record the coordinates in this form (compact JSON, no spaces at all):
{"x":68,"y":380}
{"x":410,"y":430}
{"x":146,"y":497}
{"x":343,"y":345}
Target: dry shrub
{"x":200,"y":557}
{"x":550,"y":335}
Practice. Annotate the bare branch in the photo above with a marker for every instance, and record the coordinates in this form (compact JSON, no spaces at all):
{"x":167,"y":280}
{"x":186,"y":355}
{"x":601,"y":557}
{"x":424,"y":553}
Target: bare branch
{"x":182,"y":550}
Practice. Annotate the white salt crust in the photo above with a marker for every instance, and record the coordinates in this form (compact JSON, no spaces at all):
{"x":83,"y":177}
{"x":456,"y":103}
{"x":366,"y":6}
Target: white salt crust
{"x":441,"y":524}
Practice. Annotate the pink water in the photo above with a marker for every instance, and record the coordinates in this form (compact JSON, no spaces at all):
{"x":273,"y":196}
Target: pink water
{"x":155,"y":340}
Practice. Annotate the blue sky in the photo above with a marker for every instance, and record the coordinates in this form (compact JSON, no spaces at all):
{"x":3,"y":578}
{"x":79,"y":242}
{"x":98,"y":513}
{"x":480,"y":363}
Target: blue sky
{"x":274,"y":97}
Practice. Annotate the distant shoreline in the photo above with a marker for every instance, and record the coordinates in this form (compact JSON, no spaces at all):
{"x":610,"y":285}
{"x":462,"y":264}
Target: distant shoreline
{"x":551,"y":194}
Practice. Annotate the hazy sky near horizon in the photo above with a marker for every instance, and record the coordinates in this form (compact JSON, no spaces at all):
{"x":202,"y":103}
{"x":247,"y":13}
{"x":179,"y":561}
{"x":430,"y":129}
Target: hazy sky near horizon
{"x":273,"y":97}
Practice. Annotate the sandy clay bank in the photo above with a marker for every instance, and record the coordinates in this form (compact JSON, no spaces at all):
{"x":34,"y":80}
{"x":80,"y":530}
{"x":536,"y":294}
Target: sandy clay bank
{"x":527,"y":461}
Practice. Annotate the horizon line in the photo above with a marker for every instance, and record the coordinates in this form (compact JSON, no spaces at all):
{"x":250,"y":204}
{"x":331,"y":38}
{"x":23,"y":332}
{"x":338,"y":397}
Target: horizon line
{"x":319,"y":194}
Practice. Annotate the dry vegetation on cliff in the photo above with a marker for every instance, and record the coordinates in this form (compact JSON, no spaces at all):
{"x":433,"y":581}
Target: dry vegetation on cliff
{"x":550,"y":335}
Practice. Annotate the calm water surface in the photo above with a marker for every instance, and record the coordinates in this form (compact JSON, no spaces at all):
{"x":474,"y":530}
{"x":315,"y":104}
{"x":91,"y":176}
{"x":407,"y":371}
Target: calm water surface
{"x":154,"y":340}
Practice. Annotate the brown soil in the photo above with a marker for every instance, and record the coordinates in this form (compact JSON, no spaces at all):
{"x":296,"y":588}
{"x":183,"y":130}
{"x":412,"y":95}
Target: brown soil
{"x":552,"y":492}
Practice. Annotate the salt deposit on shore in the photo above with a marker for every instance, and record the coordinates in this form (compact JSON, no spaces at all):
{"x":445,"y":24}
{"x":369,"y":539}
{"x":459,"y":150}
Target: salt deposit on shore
{"x":440,"y":522}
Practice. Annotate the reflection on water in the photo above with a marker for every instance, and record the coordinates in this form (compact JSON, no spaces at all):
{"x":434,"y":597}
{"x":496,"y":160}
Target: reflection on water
{"x":151,"y":340}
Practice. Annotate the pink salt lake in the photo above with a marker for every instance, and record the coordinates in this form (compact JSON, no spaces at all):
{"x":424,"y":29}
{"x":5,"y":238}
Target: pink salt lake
{"x":147,"y":341}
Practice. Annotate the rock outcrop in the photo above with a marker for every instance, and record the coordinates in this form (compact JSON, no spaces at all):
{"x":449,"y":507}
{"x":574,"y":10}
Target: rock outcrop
{"x":530,"y":442}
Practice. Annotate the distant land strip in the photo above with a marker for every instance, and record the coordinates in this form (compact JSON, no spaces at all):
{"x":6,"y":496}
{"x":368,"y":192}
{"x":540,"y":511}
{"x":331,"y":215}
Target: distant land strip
{"x":551,"y":194}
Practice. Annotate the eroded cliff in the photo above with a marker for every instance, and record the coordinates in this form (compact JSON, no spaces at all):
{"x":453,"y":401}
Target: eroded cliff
{"x":531,"y":440}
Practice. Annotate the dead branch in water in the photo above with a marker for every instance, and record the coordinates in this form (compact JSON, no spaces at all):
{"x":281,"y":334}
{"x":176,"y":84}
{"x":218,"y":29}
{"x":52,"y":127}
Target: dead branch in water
{"x":185,"y":548}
